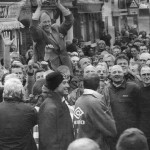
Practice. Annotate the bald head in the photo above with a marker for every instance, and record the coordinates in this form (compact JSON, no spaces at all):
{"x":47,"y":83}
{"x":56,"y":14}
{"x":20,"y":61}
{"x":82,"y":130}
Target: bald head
{"x":116,"y":67}
{"x":89,"y":70}
{"x":83,"y":144}
{"x":84,"y":62}
{"x":144,"y":57}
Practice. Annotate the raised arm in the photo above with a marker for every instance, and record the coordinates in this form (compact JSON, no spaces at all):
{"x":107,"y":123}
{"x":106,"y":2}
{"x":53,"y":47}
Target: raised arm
{"x":7,"y":44}
{"x":36,"y":31}
{"x":1,"y":46}
{"x":69,"y":19}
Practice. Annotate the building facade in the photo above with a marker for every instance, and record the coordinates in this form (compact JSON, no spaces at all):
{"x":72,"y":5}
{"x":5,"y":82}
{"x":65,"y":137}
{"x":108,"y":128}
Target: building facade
{"x":15,"y":16}
{"x":88,"y":24}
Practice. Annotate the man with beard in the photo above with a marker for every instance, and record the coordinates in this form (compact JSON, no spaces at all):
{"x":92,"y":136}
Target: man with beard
{"x":124,"y":101}
{"x":145,"y":102}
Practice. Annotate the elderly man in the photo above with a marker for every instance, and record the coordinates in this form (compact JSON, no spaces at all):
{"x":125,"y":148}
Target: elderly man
{"x":51,"y":37}
{"x":17,"y":119}
{"x":145,"y":102}
{"x":143,"y":58}
{"x":84,"y":62}
{"x":124,"y":100}
{"x":92,"y":118}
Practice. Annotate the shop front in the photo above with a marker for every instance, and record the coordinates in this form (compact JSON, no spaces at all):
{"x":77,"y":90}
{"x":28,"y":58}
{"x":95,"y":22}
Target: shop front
{"x":88,"y":19}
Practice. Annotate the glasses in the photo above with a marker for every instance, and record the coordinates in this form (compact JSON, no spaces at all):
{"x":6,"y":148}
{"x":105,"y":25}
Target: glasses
{"x":142,"y":60}
{"x":145,"y":74}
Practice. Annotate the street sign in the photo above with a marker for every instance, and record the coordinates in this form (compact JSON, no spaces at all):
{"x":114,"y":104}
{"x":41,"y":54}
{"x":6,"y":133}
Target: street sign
{"x":133,"y":11}
{"x":134,"y":4}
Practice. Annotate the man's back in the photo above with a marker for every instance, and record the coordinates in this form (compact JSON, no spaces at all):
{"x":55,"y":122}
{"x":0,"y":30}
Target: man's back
{"x":17,"y":119}
{"x":92,"y":118}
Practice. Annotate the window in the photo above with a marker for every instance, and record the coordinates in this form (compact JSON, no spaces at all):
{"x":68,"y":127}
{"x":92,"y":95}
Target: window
{"x":122,"y":4}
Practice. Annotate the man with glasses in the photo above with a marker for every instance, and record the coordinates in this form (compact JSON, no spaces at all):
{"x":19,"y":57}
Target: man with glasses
{"x":145,"y":102}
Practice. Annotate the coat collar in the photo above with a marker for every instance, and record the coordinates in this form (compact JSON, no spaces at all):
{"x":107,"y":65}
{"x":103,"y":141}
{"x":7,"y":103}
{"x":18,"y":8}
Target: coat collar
{"x":92,"y":92}
{"x":123,"y":85}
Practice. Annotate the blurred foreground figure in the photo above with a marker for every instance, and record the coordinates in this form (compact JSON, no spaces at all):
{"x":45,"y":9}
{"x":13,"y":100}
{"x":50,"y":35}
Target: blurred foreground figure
{"x":83,"y":144}
{"x":132,"y":139}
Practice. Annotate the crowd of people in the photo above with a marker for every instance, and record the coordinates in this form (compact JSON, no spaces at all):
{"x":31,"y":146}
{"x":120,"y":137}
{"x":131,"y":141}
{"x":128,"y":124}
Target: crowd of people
{"x":74,"y":95}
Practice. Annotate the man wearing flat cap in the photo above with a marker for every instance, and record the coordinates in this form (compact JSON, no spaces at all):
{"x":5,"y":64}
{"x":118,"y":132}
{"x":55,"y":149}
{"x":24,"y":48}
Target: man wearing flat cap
{"x":55,"y":124}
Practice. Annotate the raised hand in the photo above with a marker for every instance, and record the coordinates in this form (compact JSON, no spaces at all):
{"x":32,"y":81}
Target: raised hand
{"x":57,"y":2}
{"x":39,"y":2}
{"x":49,"y":48}
{"x":6,"y":39}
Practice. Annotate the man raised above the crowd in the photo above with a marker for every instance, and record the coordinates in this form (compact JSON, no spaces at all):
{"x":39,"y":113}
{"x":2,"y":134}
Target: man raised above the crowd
{"x":51,"y":36}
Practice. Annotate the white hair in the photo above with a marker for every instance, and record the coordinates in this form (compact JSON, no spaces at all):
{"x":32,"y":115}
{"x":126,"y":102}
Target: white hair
{"x":13,"y":88}
{"x":10,"y":76}
{"x":146,"y":55}
{"x":107,"y":56}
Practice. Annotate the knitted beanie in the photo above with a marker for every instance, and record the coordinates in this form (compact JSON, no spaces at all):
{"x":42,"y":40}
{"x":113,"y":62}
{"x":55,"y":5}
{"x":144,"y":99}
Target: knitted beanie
{"x":53,"y":80}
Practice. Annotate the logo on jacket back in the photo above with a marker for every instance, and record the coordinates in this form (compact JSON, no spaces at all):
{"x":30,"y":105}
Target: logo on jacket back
{"x":78,"y":112}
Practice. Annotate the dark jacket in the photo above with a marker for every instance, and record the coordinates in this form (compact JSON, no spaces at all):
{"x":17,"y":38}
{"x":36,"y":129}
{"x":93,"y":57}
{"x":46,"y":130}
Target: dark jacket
{"x":124,"y":102}
{"x":129,"y":77}
{"x":57,"y":39}
{"x":92,"y":119}
{"x":16,"y":122}
{"x":55,"y":124}
{"x":144,"y":124}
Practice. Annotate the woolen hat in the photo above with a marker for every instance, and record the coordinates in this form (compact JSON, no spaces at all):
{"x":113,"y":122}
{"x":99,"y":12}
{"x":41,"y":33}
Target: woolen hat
{"x":53,"y":80}
{"x":132,"y":139}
